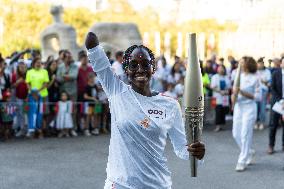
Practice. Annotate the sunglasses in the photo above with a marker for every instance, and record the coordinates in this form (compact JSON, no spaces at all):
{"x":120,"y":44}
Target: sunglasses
{"x":134,"y":66}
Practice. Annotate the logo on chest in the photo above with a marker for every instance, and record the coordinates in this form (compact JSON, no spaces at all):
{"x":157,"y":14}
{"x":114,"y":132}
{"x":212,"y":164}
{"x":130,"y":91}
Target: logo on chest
{"x":158,"y":114}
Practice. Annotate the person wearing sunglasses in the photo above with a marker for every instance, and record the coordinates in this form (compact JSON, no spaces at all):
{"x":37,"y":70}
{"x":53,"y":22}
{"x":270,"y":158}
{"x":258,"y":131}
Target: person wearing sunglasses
{"x":140,"y":121}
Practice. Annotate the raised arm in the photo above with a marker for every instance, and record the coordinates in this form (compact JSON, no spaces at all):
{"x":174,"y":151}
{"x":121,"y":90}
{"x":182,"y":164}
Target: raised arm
{"x":111,"y":84}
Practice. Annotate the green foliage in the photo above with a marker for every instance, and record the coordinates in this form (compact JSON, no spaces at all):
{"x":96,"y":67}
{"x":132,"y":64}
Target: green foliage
{"x":23,"y":23}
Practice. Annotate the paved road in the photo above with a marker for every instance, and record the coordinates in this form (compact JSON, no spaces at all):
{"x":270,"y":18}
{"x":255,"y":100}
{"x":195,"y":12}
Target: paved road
{"x":80,"y":163}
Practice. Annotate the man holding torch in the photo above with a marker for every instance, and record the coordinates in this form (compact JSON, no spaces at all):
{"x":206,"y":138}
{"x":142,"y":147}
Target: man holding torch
{"x":141,"y":122}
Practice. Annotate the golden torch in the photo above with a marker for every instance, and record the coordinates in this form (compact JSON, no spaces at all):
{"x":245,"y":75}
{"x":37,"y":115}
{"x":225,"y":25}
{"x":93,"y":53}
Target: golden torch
{"x":237,"y":82}
{"x":194,"y":100}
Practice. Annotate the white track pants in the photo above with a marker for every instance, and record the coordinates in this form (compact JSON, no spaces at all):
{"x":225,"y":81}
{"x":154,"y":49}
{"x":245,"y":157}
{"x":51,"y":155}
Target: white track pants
{"x":243,"y":121}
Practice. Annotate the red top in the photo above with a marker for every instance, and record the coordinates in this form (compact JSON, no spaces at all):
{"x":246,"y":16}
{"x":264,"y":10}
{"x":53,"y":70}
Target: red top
{"x":83,"y":79}
{"x":22,"y":88}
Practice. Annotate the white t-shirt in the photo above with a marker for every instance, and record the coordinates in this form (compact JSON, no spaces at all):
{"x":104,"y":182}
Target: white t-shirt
{"x":264,"y":75}
{"x":140,"y":126}
{"x":117,"y":68}
{"x":249,"y":83}
{"x":216,"y":82}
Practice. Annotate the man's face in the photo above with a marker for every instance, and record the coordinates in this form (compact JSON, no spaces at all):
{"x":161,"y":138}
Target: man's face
{"x":68,"y":58}
{"x":119,"y":59}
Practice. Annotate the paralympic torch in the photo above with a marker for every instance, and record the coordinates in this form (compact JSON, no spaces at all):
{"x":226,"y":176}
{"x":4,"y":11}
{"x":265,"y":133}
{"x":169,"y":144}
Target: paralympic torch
{"x":194,"y":100}
{"x":237,"y":82}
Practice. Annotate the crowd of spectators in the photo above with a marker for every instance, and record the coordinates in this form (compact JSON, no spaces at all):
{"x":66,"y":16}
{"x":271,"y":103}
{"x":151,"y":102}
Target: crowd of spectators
{"x":62,"y":97}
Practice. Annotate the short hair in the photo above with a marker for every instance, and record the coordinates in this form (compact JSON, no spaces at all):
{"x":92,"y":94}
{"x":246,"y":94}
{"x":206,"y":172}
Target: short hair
{"x":119,"y":54}
{"x":260,"y":60}
{"x":250,"y":64}
{"x":82,"y":54}
{"x":127,"y":54}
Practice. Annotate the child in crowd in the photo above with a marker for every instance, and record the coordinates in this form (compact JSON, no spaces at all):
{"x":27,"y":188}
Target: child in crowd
{"x":35,"y":111}
{"x":105,"y":114}
{"x":90,"y":96}
{"x":64,"y":122}
{"x":7,"y":111}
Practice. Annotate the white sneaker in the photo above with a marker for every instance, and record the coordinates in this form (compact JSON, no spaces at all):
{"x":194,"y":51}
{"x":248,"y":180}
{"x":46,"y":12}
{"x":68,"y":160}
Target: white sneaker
{"x":20,"y":133}
{"x":73,"y":133}
{"x":261,"y":127}
{"x":240,"y":167}
{"x":87,"y":133}
{"x":256,"y":126}
{"x":95,"y":131}
{"x":251,"y":159}
{"x":29,"y":134}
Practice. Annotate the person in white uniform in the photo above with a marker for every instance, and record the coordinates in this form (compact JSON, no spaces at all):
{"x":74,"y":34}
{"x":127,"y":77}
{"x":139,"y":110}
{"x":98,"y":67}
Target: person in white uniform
{"x":245,"y":111}
{"x":141,"y":120}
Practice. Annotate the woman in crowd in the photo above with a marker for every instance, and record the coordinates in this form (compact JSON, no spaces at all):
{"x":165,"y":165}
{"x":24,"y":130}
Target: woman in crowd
{"x":138,"y":137}
{"x":37,"y":78}
{"x":53,"y":90}
{"x":21,"y":92}
{"x":264,"y":76}
{"x":220,"y":84}
{"x":245,"y":111}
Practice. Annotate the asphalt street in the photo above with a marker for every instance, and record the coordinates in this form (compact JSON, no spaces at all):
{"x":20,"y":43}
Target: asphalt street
{"x":80,"y":162}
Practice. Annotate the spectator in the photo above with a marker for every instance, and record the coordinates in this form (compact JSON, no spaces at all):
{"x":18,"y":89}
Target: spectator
{"x":64,"y":121}
{"x":277,"y":95}
{"x":60,"y":57}
{"x":209,"y":69}
{"x":91,"y":96}
{"x":220,"y":84}
{"x":264,"y":76}
{"x":105,"y":115}
{"x":214,"y":64}
{"x":276,"y":65}
{"x":53,"y":90}
{"x":7,"y":110}
{"x":21,"y":92}
{"x":84,"y":71}
{"x":175,"y":74}
{"x":108,"y":53}
{"x":35,"y":112}
{"x":162,"y":72}
{"x":170,"y":92}
{"x":117,"y":65}
{"x":37,"y":78}
{"x":5,"y":83}
{"x":205,"y":80}
{"x":67,"y":74}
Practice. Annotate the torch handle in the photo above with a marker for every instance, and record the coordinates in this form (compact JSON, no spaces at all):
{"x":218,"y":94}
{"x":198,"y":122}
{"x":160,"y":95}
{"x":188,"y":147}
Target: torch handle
{"x":192,"y":135}
{"x":193,"y":160}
